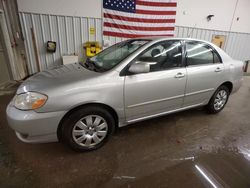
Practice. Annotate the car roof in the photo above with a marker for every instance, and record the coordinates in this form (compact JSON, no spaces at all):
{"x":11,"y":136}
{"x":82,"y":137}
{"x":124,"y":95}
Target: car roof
{"x":169,"y":38}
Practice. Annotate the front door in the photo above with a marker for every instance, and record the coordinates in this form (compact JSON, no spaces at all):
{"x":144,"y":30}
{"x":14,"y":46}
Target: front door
{"x":161,"y":89}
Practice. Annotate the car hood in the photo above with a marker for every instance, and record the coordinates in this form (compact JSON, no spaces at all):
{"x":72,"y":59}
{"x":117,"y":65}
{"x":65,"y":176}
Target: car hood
{"x":54,"y":78}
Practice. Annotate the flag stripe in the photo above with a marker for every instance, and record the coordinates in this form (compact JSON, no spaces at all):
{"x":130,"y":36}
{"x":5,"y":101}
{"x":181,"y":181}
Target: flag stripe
{"x":142,"y":7}
{"x":152,"y":12}
{"x":158,"y":4}
{"x":141,"y":24}
{"x":134,"y":15}
{"x":125,"y":35}
{"x":162,"y":1}
{"x":144,"y":20}
{"x":113,"y":29}
{"x":138,"y":28}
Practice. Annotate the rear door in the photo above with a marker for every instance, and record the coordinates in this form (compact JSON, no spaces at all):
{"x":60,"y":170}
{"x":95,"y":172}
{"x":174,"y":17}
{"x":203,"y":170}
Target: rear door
{"x":204,"y":72}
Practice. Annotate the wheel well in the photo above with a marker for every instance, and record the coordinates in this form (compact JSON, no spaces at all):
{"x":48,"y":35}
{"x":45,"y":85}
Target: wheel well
{"x":110,"y":109}
{"x":229,"y":85}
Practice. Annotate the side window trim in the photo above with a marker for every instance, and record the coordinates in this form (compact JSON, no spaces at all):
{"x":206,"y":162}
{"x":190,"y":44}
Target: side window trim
{"x":214,"y":52}
{"x":125,"y":71}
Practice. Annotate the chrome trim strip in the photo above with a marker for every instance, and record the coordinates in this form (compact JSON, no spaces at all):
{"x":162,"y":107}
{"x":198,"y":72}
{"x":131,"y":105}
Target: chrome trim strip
{"x":155,"y":101}
{"x":170,"y":98}
{"x":198,"y":92}
{"x":164,"y":113}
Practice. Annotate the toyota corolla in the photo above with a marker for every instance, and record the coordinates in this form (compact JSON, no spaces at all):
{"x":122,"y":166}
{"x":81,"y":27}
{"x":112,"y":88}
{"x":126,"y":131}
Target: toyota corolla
{"x":81,"y":104}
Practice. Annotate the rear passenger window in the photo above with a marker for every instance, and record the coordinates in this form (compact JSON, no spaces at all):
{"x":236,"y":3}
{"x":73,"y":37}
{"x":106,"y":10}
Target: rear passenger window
{"x":200,"y":54}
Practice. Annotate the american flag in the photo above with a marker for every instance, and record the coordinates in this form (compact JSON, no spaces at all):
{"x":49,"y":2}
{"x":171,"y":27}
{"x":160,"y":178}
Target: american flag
{"x":139,"y":18}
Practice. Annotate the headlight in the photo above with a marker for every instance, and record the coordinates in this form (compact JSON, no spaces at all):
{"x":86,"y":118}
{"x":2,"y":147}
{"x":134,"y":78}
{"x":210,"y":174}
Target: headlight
{"x":30,"y":100}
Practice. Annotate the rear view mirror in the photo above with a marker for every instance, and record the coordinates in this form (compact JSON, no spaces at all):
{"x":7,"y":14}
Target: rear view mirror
{"x":139,"y":67}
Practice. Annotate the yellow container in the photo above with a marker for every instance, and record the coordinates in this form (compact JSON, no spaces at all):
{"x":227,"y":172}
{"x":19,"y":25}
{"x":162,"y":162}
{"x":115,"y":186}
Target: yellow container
{"x":92,"y":48}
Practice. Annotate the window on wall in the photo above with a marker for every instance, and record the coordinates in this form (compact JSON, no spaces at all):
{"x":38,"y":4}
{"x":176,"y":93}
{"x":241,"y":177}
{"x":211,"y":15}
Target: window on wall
{"x":163,"y":55}
{"x":199,"y":54}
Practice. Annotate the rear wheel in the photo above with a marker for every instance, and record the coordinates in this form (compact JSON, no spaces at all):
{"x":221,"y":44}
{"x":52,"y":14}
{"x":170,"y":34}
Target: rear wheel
{"x":87,"y":128}
{"x":218,"y":100}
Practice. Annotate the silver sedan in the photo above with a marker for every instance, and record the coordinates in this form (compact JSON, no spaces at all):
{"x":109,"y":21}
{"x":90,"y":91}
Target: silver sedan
{"x":81,"y":104}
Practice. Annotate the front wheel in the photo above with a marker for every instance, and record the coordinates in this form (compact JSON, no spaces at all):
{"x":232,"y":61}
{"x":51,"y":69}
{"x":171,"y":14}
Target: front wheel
{"x":218,"y":100}
{"x":87,"y":128}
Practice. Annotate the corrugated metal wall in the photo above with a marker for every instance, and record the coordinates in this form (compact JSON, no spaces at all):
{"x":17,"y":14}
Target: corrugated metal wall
{"x":71,"y":33}
{"x":237,"y":44}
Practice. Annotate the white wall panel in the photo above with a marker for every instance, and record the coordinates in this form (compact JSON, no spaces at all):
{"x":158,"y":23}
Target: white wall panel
{"x":78,"y":8}
{"x":193,"y":13}
{"x":242,"y":12}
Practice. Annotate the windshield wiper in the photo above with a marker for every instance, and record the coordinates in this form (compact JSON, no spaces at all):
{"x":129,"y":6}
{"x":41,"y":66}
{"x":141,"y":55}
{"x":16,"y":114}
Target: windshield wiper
{"x":97,"y":67}
{"x":84,"y":65}
{"x":93,"y":66}
{"x":89,"y":65}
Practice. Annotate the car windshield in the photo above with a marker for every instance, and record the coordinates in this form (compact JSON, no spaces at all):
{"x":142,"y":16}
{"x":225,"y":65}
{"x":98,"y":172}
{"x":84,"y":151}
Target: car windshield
{"x":112,"y":56}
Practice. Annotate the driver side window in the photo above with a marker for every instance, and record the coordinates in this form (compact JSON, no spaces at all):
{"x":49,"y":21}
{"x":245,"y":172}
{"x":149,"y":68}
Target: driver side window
{"x":162,"y":56}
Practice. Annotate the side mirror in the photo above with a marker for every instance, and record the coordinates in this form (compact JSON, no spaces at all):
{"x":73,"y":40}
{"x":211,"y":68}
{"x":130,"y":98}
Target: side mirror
{"x":139,"y":67}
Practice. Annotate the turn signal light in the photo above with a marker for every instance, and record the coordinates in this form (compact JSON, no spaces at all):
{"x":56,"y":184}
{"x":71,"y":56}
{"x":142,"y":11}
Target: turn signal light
{"x":38,"y":103}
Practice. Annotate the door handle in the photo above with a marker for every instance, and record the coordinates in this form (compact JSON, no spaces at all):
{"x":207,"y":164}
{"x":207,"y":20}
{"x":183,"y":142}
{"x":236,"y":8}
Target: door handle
{"x":179,"y":75}
{"x":218,"y":69}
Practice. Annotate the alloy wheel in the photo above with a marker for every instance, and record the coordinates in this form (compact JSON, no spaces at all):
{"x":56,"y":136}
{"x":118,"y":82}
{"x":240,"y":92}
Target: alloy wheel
{"x":90,"y":130}
{"x":220,"y":99}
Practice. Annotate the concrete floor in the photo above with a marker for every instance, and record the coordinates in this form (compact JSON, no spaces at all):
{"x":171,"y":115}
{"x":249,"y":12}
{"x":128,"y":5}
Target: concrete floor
{"x":187,"y":149}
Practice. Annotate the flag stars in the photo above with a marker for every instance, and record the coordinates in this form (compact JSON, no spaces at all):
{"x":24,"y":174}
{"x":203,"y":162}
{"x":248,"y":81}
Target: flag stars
{"x":120,"y":5}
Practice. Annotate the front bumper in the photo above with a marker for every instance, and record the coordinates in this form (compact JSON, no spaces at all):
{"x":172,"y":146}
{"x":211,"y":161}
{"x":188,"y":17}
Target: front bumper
{"x":33,"y":127}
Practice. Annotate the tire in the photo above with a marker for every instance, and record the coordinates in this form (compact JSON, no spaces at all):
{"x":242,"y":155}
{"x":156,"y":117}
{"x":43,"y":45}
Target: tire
{"x":219,"y":100}
{"x":87,"y":128}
